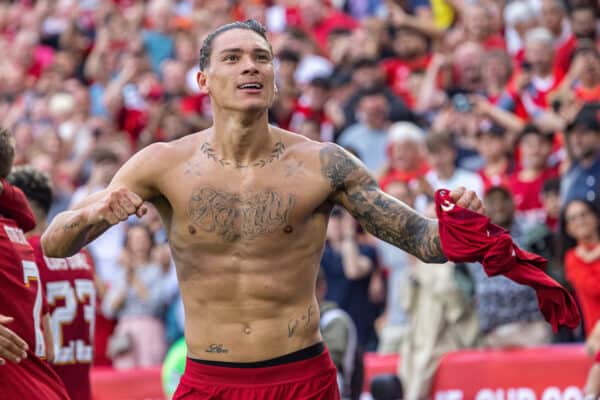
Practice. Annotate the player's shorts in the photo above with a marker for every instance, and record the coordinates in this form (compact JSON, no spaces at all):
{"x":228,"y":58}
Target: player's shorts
{"x":307,"y":374}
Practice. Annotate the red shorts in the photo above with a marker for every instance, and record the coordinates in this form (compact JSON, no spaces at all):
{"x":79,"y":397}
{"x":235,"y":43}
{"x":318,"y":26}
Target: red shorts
{"x":310,"y":379}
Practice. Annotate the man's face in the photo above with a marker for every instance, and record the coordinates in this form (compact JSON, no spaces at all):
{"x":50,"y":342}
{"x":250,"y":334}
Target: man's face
{"x":240,"y":75}
{"x":500,"y":208}
{"x":539,"y":56}
{"x":374,"y":109}
{"x":442,"y":158}
{"x":552,"y":15}
{"x":534,"y":151}
{"x":367,"y":77}
{"x":478,"y":22}
{"x":584,"y":142}
{"x":409,"y":45}
{"x":584,"y":24}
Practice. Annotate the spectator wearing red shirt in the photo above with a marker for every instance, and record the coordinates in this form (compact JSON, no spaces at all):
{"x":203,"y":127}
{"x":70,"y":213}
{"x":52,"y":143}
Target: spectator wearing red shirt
{"x":311,"y":105}
{"x":526,"y":183}
{"x":412,"y":55}
{"x":320,"y":19}
{"x":497,"y":166}
{"x":584,"y":25}
{"x":552,"y":16}
{"x":478,"y":28}
{"x":406,"y":155}
{"x":580,"y":229}
{"x":582,"y":82}
{"x":538,"y":75}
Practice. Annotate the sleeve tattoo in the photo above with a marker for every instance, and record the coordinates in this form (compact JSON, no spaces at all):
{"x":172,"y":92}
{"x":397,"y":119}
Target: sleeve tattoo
{"x":380,"y":214}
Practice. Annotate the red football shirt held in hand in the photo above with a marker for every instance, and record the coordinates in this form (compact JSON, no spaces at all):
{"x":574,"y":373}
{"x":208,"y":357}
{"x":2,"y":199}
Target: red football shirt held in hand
{"x":467,"y":236}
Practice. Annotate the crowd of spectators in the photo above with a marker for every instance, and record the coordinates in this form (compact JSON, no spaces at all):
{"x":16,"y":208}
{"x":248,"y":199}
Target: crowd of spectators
{"x":500,"y":96}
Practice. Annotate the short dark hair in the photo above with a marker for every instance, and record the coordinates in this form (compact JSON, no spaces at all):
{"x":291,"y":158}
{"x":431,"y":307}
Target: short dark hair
{"x":7,"y":152}
{"x":551,"y":186}
{"x":103,"y":154}
{"x":531,"y":129}
{"x":35,"y":184}
{"x":289,"y":56}
{"x":364,"y":62}
{"x":250,"y":24}
{"x":438,"y":141}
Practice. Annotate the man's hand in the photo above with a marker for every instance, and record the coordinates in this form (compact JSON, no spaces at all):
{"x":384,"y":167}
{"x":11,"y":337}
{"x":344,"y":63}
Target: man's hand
{"x":467,"y":199}
{"x":116,"y":206}
{"x":12,"y":347}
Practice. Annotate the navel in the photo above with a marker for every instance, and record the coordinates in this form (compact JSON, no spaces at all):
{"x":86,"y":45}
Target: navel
{"x":191,"y":230}
{"x":247,"y":330}
{"x":288,"y":229}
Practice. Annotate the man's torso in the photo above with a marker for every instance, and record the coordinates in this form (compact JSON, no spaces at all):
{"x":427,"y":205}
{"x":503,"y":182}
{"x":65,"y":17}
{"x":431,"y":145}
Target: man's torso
{"x":247,"y":243}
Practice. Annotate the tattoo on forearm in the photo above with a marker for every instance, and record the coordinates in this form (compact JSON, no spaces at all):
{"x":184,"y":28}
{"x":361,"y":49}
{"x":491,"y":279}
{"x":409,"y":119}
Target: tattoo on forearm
{"x":72,"y":225}
{"x":379,"y":213}
{"x":217,"y":348}
{"x":235,"y":216}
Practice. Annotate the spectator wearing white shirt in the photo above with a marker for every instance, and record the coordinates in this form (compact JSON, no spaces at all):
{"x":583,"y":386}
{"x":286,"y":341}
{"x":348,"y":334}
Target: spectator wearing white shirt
{"x":444,"y":173}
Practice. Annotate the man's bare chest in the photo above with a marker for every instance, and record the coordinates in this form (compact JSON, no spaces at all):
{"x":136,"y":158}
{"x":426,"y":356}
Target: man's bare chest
{"x":229,"y":205}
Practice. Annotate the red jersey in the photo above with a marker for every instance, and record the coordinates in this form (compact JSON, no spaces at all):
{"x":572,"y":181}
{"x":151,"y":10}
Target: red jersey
{"x":21,"y":297}
{"x":528,"y":196}
{"x":71,"y":296}
{"x":398,"y":72}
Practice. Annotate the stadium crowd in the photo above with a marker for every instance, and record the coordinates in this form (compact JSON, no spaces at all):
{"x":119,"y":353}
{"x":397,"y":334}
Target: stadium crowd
{"x":502,"y":97}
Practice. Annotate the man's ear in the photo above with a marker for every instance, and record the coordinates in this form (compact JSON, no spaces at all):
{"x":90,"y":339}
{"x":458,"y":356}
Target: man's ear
{"x":202,"y":80}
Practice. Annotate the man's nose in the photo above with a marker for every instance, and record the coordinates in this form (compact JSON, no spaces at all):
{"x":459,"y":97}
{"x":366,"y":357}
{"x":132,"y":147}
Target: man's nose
{"x":249,"y":66}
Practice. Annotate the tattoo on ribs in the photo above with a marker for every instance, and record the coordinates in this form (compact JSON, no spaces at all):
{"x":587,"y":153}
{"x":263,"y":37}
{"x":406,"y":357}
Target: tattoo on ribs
{"x":379,"y":213}
{"x":211,"y":154}
{"x":235,"y":216}
{"x":217,"y":348}
{"x":293,"y":323}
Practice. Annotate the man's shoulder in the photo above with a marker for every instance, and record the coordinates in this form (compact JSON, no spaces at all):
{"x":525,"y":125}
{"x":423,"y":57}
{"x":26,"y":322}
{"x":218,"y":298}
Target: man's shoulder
{"x":300,"y":145}
{"x":180,"y":146}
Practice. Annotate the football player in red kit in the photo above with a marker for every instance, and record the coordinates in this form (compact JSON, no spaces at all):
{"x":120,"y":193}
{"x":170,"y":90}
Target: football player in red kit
{"x":25,"y":338}
{"x":69,"y":287}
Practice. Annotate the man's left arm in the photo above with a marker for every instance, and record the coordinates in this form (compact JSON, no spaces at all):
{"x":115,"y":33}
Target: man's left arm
{"x":389,"y":219}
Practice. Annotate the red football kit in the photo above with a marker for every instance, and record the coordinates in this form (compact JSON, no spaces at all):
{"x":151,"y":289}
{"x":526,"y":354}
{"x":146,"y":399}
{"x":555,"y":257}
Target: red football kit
{"x":71,"y":296}
{"x":21,"y":297}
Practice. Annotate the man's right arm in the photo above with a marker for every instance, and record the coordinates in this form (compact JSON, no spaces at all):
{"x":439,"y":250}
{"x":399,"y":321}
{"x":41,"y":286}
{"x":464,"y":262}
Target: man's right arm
{"x":132,"y":185}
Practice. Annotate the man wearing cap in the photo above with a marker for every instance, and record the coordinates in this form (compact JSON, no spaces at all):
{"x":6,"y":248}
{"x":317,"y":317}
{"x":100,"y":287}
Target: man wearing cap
{"x":582,"y":180}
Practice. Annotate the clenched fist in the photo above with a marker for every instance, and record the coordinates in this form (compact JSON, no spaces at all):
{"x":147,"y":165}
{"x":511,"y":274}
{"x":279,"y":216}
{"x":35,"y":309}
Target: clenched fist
{"x":467,"y":199}
{"x":116,"y":206}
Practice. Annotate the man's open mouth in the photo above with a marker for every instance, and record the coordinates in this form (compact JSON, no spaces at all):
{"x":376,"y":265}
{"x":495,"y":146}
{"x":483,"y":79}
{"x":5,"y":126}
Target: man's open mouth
{"x":255,"y":85}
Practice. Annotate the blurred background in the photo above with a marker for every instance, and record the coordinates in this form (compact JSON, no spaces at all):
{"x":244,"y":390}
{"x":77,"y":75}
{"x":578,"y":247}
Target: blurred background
{"x":502,"y":97}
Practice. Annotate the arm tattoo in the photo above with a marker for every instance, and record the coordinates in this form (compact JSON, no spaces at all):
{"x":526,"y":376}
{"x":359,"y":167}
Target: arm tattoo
{"x":217,"y":348}
{"x":379,"y":213}
{"x":72,"y":225}
{"x":235,"y":216}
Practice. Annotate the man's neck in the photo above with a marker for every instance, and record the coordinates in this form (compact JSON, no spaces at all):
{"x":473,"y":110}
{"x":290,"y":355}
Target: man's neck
{"x":40,"y":227}
{"x":241,"y":138}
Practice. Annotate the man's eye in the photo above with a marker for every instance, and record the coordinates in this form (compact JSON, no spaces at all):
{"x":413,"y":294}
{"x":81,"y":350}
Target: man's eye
{"x":230,"y":57}
{"x":263,"y":57}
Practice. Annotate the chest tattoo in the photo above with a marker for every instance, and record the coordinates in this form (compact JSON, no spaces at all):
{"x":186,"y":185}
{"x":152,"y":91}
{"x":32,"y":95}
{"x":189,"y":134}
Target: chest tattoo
{"x":235,"y":216}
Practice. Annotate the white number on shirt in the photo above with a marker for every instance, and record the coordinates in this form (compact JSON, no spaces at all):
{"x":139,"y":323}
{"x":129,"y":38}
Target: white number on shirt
{"x":74,"y":350}
{"x":31,"y":273}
